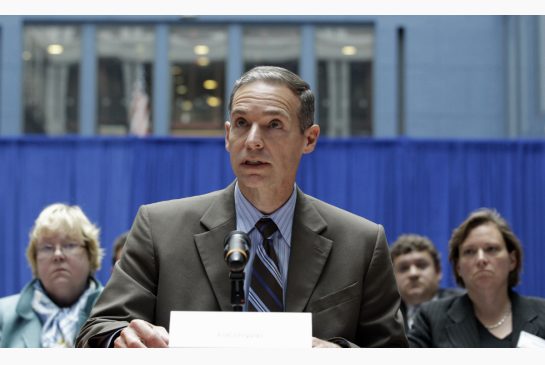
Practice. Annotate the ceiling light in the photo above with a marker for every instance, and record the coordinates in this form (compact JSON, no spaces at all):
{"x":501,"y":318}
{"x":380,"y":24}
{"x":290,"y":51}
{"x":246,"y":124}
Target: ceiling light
{"x":349,"y":50}
{"x":201,"y":50}
{"x":181,"y":89}
{"x":203,"y":61}
{"x":210,"y":84}
{"x":187,"y":106}
{"x":55,"y":49}
{"x":213,"y":101}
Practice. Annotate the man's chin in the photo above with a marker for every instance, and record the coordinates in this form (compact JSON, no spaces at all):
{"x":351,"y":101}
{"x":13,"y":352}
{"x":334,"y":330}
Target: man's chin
{"x":251,"y":181}
{"x":414,"y":295}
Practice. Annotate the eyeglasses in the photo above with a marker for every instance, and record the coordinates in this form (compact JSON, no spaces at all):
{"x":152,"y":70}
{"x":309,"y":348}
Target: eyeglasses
{"x":67,"y":249}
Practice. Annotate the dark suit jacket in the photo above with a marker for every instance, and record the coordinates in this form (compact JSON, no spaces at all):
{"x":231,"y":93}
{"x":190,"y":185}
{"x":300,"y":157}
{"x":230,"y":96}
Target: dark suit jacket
{"x":451,"y":322}
{"x":339,"y":269}
{"x":442,"y":293}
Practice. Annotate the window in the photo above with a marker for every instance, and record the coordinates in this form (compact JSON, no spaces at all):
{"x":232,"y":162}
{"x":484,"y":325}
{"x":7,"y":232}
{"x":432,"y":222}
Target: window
{"x":197,"y":56}
{"x":272,"y":46}
{"x":125,"y":63}
{"x":345,"y":61}
{"x":197,"y":65}
{"x":51,"y":59}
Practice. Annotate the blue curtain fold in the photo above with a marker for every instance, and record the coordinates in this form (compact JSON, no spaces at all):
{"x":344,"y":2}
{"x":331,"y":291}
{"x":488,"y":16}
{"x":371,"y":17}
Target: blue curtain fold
{"x":420,"y":186}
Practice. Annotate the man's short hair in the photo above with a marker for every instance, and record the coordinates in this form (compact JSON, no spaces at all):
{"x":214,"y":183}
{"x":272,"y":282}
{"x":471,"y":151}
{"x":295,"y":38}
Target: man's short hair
{"x":281,"y":76}
{"x":407,"y":243}
{"x":478,"y":218}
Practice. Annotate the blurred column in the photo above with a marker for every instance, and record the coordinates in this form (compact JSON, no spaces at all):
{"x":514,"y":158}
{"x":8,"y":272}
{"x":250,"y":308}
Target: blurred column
{"x":234,"y":62}
{"x":161,"y":84}
{"x":307,"y":62}
{"x":88,"y":81}
{"x":541,"y":45}
{"x":11,"y":49}
{"x":333,"y":110}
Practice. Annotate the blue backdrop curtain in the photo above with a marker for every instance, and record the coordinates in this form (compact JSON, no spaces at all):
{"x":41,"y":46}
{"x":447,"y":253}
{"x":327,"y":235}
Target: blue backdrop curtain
{"x":419,"y":186}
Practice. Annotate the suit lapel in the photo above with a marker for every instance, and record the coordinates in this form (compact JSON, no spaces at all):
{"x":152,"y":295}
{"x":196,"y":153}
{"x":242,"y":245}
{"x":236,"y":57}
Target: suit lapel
{"x":462,"y":332}
{"x":219,"y":219}
{"x":309,"y":253}
{"x":309,"y":250}
{"x":32,"y":335}
{"x":30,"y":327}
{"x":523,"y":316}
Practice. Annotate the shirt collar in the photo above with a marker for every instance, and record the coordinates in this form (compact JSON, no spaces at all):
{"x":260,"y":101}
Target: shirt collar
{"x":248,"y":215}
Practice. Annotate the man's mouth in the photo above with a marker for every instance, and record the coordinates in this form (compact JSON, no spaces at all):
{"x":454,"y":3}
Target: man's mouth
{"x":254,"y":163}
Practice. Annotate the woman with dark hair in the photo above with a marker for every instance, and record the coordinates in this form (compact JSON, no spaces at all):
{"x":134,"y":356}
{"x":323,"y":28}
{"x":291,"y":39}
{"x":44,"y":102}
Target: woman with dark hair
{"x":486,"y":257}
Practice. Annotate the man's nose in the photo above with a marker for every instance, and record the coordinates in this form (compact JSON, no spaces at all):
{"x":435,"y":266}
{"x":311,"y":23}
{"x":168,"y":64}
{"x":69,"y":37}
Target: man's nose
{"x":254,"y":139}
{"x":413,"y":270}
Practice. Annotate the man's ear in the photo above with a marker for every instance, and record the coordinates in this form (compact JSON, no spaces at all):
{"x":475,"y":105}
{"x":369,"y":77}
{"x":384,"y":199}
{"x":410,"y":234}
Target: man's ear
{"x":311,"y":138}
{"x":227,"y":130}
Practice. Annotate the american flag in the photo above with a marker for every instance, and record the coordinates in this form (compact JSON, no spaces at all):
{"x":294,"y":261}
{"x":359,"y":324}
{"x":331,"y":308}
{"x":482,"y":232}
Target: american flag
{"x":139,"y":111}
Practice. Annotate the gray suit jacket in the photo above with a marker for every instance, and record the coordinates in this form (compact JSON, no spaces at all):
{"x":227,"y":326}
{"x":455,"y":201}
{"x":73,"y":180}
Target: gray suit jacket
{"x":451,"y":322}
{"x":339,"y":269}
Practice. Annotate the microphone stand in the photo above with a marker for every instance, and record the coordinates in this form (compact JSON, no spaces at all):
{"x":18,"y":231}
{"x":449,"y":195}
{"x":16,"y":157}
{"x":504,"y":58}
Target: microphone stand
{"x":235,"y":253}
{"x":237,"y":290}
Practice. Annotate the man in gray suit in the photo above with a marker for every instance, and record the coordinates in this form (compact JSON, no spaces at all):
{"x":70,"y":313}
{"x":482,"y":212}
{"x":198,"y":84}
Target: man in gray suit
{"x":329,"y":262}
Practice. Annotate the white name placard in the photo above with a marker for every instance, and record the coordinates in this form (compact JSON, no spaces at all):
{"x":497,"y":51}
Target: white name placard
{"x":240,"y":329}
{"x":528,"y":340}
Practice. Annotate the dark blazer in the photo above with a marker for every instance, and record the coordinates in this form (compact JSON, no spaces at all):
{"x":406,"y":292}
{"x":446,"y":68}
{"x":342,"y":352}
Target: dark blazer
{"x":442,"y":293}
{"x":452,"y":323}
{"x":339,"y":269}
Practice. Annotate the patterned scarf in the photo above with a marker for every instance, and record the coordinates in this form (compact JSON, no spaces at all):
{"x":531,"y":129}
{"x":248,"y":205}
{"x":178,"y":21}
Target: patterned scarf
{"x":59,"y":324}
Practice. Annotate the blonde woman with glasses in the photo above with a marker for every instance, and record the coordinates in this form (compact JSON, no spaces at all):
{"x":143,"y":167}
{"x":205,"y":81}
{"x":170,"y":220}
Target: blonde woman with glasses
{"x":64,"y":254}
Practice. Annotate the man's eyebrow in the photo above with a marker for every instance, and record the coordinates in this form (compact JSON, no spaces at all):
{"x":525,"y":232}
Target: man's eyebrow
{"x":275,"y":112}
{"x":242,"y":111}
{"x":272,"y":112}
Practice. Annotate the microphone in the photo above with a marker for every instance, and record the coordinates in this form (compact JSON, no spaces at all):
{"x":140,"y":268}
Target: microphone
{"x":236,"y":250}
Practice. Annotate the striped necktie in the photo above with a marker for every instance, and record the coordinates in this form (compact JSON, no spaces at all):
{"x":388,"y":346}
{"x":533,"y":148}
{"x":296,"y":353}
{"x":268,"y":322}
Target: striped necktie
{"x":266,"y":292}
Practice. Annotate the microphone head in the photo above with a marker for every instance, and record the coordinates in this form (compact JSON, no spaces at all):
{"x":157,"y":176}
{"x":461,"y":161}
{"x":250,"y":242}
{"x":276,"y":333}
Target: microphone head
{"x":236,"y":250}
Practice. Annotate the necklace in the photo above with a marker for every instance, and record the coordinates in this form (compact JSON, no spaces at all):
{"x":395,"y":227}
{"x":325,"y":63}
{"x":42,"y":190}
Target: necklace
{"x":500,"y":322}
